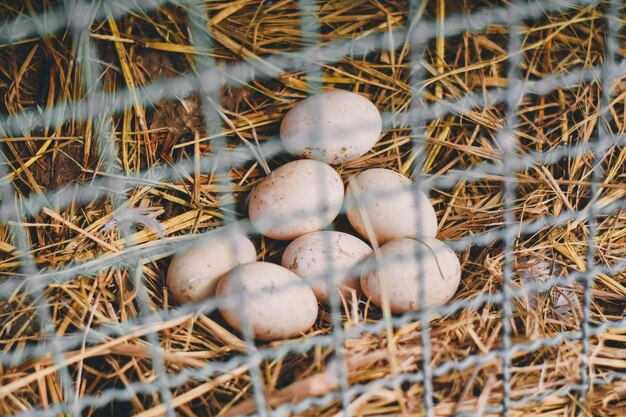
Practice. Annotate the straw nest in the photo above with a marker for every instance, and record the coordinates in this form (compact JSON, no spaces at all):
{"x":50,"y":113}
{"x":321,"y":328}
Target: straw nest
{"x":110,"y":312}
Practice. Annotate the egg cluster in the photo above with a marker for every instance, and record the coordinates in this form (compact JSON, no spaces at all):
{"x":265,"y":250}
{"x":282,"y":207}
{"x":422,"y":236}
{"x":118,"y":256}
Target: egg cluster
{"x":299,"y":199}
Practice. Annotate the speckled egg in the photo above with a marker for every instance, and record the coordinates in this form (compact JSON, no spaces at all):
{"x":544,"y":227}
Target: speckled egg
{"x":386,"y":200}
{"x":401,"y":264}
{"x":194,"y":270}
{"x":277,"y":304}
{"x":326,"y":259}
{"x":297,"y":198}
{"x":334,"y":127}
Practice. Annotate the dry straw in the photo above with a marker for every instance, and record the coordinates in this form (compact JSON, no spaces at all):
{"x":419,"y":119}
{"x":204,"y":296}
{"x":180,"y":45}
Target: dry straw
{"x":111,"y":338}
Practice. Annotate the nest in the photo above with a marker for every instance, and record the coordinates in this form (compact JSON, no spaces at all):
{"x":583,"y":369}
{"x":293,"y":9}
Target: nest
{"x":109,"y":329}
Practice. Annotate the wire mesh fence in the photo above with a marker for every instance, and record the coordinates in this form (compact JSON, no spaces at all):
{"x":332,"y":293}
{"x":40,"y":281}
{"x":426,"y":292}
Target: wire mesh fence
{"x":521,"y":154}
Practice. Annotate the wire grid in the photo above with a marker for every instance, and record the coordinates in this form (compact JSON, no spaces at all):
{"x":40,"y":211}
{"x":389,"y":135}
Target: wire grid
{"x":210,"y":78}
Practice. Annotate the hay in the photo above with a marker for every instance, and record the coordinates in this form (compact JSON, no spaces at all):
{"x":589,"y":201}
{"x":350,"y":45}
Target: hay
{"x":144,"y":47}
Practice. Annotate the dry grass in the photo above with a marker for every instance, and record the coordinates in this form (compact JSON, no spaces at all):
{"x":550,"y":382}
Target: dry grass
{"x":145,"y":47}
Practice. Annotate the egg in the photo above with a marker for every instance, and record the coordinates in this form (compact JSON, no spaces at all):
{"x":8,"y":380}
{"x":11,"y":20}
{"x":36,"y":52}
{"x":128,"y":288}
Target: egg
{"x":193,"y":273}
{"x":393,"y":208}
{"x":277,"y":304}
{"x":334,"y":127}
{"x":402,"y":263}
{"x":327,"y":257}
{"x":297,"y":198}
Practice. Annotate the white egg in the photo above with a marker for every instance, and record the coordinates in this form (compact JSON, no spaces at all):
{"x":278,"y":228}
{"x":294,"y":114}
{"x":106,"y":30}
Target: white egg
{"x":334,"y":127}
{"x":325,"y":258}
{"x":402,"y":263}
{"x":193,"y":273}
{"x":297,"y":198}
{"x":393,"y":208}
{"x":277,"y":304}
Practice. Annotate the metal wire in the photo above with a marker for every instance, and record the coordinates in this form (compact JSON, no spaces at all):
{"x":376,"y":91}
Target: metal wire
{"x":208,"y":79}
{"x":418,"y":132}
{"x":509,"y":144}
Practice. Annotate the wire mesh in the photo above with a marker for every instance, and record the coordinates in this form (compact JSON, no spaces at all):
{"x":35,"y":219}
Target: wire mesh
{"x":345,"y":391}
